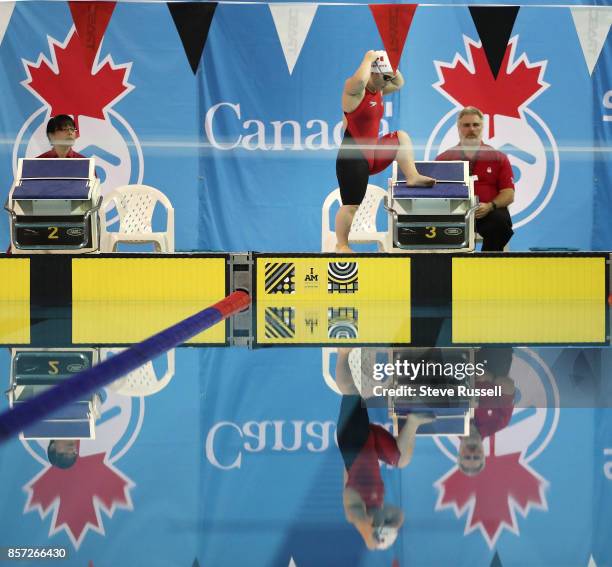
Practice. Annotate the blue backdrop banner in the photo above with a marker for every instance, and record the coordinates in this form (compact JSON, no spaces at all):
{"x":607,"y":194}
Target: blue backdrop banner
{"x":245,"y":147}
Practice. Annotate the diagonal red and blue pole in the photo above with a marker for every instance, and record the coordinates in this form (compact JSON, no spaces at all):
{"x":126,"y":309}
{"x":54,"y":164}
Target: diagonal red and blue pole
{"x":16,"y":419}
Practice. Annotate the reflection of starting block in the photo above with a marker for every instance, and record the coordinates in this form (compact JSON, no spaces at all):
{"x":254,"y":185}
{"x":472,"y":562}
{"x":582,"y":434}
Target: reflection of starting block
{"x":36,"y":370}
{"x":452,"y":413}
{"x":438,"y":218}
{"x":53,"y":206}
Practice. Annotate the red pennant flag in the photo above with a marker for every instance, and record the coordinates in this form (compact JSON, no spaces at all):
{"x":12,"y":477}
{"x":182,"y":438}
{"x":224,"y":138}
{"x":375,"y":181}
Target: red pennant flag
{"x":393,"y":22}
{"x":91,"y":20}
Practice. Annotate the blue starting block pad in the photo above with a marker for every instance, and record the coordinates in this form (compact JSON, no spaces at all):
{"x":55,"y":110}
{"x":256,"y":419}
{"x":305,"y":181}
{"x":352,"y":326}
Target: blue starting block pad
{"x":443,"y":171}
{"x":438,"y":218}
{"x":53,"y":206}
{"x":73,"y":429}
{"x":49,"y":179}
{"x":49,"y":168}
{"x":438,"y":191}
{"x":448,"y":421}
{"x":70,"y":189}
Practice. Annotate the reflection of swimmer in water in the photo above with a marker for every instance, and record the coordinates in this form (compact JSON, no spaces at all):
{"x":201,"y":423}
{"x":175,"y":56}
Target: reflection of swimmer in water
{"x":362,"y":445}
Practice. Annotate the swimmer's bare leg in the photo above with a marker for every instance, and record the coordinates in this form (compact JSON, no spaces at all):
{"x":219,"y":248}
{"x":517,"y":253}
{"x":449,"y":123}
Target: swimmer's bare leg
{"x":405,"y":160}
{"x":344,"y":220}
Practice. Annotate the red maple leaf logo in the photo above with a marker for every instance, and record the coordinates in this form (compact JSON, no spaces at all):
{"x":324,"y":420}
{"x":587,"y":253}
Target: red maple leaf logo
{"x":68,"y":86}
{"x":471,"y":83}
{"x":78,"y":494}
{"x":492,"y":497}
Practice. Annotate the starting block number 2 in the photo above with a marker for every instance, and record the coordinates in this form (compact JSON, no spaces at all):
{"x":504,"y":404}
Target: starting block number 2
{"x":52,"y":232}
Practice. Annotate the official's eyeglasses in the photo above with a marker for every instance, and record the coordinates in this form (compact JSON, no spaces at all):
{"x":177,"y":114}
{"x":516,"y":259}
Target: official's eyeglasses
{"x":68,"y":129}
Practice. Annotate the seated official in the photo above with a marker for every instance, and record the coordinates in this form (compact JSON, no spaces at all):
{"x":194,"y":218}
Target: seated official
{"x":62,"y":134}
{"x":495,"y":184}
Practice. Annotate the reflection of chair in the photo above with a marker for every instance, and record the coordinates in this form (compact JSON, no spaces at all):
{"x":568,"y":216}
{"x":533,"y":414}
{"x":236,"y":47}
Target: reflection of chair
{"x":363,"y":229}
{"x":143,"y":381}
{"x":361,"y":362}
{"x":135,"y":205}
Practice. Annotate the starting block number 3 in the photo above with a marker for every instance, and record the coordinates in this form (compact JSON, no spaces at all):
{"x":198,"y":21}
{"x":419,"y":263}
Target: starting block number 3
{"x":431,"y":232}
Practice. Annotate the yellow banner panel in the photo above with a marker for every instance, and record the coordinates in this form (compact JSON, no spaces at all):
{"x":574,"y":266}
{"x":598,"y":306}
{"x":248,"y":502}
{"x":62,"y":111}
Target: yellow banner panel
{"x":15,"y":279}
{"x":149,"y":279}
{"x":15,"y":300}
{"x":537,"y":300}
{"x":15,"y":322}
{"x":332,"y":279}
{"x":333,"y":323}
{"x":131,"y":322}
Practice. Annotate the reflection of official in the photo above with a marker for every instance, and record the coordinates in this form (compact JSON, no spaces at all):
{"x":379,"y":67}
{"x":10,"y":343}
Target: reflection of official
{"x":491,"y":414}
{"x":495,"y":184}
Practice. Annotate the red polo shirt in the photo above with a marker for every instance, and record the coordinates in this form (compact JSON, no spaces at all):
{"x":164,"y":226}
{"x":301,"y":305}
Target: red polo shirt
{"x":53,"y":154}
{"x":493,"y":414}
{"x":490,"y":165}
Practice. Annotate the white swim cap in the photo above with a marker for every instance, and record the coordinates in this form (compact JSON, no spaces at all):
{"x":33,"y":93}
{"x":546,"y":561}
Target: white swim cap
{"x":382,"y":64}
{"x":385,"y":536}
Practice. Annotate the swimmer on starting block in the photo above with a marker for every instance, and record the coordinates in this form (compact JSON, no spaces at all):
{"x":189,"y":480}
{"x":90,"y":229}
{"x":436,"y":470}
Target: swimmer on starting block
{"x":362,"y":152}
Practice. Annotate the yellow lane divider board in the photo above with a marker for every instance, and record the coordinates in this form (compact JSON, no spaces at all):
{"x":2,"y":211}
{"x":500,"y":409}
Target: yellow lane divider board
{"x":15,"y":300}
{"x":529,"y":300}
{"x":332,"y":279}
{"x":125,"y":300}
{"x":338,"y":323}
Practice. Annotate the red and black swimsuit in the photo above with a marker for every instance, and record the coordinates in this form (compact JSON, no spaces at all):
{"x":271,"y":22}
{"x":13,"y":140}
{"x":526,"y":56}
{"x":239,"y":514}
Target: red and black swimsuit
{"x":354,"y":165}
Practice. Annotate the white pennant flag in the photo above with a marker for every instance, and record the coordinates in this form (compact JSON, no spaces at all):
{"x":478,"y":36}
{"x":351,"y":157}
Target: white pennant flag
{"x":292,"y":23}
{"x":592,"y":27}
{"x":6,"y":9}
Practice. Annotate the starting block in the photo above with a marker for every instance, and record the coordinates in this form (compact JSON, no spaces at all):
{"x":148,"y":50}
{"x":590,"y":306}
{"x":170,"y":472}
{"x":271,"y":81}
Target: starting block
{"x":53,"y":207}
{"x":35,"y":370}
{"x":451,"y":413}
{"x":438,"y":218}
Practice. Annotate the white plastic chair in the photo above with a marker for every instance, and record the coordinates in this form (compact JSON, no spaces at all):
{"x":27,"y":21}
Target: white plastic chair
{"x":143,"y":381}
{"x":134,"y":205}
{"x":363,"y":229}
